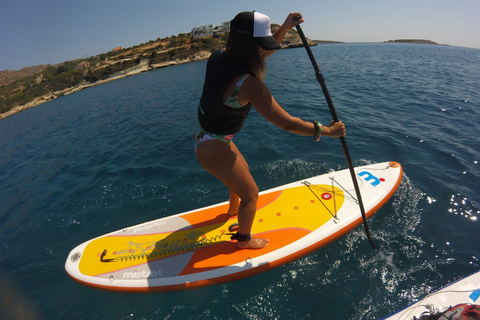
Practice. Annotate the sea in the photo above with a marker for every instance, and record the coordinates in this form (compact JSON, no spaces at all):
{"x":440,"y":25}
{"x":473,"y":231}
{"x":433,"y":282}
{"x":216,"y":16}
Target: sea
{"x":122,"y":153}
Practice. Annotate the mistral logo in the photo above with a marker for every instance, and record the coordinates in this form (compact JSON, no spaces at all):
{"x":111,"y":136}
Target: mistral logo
{"x":149,"y":226}
{"x":367,"y":176}
{"x":143,"y":274}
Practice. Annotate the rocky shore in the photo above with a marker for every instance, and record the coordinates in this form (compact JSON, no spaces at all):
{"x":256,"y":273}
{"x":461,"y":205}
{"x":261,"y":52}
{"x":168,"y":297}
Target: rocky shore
{"x":291,"y":40}
{"x":143,"y":66}
{"x":178,"y":55}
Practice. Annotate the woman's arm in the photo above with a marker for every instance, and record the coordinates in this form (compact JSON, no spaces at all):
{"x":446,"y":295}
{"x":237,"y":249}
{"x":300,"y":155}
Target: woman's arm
{"x":282,"y":31}
{"x":257,"y":93}
{"x":287,"y":25}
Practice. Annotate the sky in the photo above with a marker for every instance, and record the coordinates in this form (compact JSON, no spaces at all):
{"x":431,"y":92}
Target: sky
{"x":34,"y":32}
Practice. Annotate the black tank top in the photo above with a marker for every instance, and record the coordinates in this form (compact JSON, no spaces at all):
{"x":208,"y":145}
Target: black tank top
{"x":213,"y":114}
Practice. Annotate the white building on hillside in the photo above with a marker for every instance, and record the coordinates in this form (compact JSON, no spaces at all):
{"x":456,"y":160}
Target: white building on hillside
{"x":210,"y":29}
{"x":203,"y":31}
{"x":225,"y":27}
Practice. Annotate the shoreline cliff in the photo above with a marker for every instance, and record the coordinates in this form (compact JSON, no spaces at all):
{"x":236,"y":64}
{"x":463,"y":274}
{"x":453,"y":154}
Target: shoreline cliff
{"x":143,"y":66}
{"x":51,"y":82}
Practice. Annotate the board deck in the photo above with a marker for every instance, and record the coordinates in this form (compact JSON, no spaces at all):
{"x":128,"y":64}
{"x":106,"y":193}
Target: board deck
{"x":466,"y":290}
{"x":193,"y":249}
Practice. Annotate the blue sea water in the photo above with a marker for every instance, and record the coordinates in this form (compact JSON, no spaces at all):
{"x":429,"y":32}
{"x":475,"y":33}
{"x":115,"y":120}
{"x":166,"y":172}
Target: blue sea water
{"x":121,"y":153}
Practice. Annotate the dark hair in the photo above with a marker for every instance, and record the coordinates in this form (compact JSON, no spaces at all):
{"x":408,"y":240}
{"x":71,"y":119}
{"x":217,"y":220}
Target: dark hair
{"x":245,"y":49}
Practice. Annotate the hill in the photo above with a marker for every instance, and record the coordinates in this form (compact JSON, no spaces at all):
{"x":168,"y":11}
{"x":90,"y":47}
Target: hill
{"x":420,"y":41}
{"x":31,"y":86}
{"x":9,"y":76}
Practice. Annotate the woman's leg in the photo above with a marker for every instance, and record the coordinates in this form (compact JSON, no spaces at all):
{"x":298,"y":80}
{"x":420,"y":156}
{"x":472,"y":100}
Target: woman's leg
{"x":225,"y":162}
{"x":234,"y":204}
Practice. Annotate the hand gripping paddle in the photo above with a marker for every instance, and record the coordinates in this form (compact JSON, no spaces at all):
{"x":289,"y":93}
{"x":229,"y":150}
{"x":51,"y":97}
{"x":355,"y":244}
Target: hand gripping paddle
{"x":321,"y":80}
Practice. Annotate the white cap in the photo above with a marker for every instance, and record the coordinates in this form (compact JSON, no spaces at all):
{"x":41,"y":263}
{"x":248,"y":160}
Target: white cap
{"x":256,"y":25}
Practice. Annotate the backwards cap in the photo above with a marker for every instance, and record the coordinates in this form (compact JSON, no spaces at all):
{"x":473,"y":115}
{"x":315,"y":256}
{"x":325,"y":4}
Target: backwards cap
{"x":256,"y":25}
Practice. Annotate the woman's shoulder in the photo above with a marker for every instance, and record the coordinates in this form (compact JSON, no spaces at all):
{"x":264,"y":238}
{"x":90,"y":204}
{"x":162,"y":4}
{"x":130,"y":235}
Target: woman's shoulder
{"x":253,"y":82}
{"x":253,"y":88}
{"x":217,"y":54}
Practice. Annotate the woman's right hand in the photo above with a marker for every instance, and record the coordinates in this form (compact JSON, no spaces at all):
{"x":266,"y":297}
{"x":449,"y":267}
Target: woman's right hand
{"x":290,"y":22}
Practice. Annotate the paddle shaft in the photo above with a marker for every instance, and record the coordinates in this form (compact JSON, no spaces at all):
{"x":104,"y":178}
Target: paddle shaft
{"x":321,"y":80}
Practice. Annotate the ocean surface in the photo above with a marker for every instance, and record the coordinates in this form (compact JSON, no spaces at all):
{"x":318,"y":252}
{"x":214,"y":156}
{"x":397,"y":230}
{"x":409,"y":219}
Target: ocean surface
{"x":121,"y":153}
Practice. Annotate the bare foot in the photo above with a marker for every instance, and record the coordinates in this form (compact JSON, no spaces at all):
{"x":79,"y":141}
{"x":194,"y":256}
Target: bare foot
{"x":254,"y":243}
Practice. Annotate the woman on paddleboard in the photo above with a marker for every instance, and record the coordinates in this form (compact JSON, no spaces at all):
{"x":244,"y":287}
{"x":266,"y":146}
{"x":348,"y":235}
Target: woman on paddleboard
{"x":233,"y":84}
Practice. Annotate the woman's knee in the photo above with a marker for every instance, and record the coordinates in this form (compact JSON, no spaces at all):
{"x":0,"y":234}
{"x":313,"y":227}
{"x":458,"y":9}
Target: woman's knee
{"x":251,"y":194}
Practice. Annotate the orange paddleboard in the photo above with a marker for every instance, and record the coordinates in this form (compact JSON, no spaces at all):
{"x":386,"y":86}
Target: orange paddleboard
{"x":194,"y":249}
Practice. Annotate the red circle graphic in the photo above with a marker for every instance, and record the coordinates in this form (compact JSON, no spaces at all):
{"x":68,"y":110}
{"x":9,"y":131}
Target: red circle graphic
{"x":326,"y":196}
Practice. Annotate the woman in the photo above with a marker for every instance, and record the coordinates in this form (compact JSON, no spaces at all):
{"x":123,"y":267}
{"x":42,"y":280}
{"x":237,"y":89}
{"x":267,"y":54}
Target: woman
{"x":233,"y":83}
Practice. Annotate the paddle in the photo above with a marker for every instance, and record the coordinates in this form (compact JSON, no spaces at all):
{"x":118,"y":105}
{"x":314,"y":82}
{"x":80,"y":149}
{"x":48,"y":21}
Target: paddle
{"x":321,"y":80}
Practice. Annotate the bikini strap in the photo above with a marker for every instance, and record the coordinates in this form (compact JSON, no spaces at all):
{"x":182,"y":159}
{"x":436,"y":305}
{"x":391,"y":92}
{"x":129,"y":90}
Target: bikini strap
{"x":238,"y":86}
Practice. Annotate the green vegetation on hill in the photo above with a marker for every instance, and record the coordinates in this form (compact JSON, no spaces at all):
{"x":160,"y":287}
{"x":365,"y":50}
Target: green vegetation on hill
{"x":72,"y":73}
{"x":420,"y":41}
{"x":34,"y":85}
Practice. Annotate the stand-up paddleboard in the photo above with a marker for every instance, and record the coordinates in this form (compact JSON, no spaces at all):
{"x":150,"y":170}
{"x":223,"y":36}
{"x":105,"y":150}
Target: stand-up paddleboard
{"x":194,"y":249}
{"x":466,"y":290}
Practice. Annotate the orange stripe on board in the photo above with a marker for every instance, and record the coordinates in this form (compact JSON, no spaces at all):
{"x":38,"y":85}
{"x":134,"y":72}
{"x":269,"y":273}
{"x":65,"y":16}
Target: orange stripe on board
{"x":227,"y":253}
{"x":218,"y":214}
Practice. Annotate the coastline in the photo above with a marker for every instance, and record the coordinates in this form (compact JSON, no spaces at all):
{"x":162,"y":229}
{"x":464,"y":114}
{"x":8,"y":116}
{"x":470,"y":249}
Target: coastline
{"x":143,"y":66}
